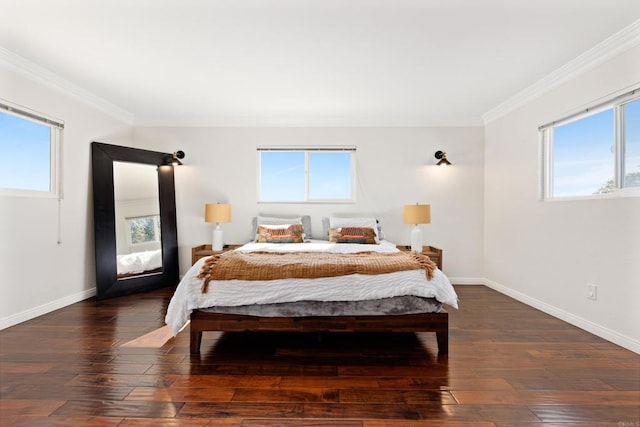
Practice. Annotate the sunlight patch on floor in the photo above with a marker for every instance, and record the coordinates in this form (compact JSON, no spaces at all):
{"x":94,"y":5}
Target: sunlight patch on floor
{"x":155,"y":338}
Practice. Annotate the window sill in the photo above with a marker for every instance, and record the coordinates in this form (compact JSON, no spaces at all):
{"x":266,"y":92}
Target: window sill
{"x":618,"y":194}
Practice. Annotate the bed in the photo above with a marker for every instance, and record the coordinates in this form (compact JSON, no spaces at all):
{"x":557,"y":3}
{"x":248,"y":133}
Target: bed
{"x":136,"y":263}
{"x":403,"y":300}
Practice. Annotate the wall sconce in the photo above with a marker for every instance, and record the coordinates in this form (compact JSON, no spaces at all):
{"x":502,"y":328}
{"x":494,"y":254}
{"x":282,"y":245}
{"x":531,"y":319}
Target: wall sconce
{"x":442,"y":158}
{"x":175,"y":158}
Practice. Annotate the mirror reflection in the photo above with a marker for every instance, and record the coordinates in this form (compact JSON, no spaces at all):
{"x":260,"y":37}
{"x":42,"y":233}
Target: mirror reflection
{"x":137,"y":219}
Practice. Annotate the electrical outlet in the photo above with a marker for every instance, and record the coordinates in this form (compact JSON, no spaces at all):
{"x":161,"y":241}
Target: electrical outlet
{"x":592,"y":291}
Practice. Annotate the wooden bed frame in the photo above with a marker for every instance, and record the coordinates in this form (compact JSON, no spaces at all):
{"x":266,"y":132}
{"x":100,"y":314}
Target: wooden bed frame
{"x":425,"y":322}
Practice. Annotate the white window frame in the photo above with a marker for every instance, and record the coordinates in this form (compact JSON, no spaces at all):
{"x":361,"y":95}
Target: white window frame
{"x":617,"y":104}
{"x":307,"y":151}
{"x":55,"y":148}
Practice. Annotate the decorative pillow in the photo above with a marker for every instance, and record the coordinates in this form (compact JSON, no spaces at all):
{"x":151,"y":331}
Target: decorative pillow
{"x":336,"y":222}
{"x":287,"y":233}
{"x":363,"y":235}
{"x":281,"y":219}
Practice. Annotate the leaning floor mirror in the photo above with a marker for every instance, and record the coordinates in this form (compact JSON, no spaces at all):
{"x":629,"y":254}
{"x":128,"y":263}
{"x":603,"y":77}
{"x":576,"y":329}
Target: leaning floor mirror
{"x":136,"y":245}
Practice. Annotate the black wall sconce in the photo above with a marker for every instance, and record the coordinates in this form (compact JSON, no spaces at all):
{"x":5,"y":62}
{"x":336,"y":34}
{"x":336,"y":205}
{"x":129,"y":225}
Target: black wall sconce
{"x":442,"y":158}
{"x":175,"y":158}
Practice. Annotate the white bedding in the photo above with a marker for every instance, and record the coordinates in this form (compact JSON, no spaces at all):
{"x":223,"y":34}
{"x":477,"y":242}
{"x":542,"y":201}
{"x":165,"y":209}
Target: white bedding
{"x":354,"y":287}
{"x":139,"y":262}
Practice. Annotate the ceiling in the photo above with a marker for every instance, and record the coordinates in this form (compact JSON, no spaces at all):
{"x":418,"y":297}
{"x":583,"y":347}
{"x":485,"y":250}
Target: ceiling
{"x":307,"y":62}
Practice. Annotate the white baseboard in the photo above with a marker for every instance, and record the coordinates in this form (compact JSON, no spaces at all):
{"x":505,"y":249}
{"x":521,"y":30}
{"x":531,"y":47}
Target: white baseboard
{"x":32,"y":313}
{"x":587,"y":325}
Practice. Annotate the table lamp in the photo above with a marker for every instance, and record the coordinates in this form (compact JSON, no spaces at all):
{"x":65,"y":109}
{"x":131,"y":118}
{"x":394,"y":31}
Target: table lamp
{"x":417,"y":214}
{"x":217,"y":213}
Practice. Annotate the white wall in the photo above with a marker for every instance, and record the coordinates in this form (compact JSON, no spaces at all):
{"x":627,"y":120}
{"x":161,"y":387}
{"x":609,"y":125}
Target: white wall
{"x":395,"y":167}
{"x":36,"y":273}
{"x":545,"y":253}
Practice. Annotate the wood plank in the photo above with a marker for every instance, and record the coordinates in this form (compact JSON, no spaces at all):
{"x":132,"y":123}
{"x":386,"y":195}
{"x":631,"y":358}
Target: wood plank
{"x":426,"y":423}
{"x":121,"y":380}
{"x":301,"y":423}
{"x":179,"y":422}
{"x":31,"y":407}
{"x":64,"y":392}
{"x":230,"y":381}
{"x":26,"y":368}
{"x":546,"y":397}
{"x":588,"y":413}
{"x":35,"y":421}
{"x":181,"y":394}
{"x":285,"y":395}
{"x":421,"y":412}
{"x":444,"y":383}
{"x":116,"y":408}
{"x":427,"y":397}
{"x":341,"y":382}
{"x":241,"y":410}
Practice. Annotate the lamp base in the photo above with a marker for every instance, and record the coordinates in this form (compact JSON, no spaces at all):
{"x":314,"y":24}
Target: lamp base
{"x":217,"y":243}
{"x":416,"y":239}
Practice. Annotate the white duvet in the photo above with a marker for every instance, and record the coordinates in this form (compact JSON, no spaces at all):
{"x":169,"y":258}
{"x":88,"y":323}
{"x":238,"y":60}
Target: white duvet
{"x":139,"y":262}
{"x":355,"y":287}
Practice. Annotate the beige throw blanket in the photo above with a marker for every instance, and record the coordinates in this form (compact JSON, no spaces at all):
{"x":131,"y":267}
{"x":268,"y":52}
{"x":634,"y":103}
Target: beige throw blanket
{"x":308,"y":265}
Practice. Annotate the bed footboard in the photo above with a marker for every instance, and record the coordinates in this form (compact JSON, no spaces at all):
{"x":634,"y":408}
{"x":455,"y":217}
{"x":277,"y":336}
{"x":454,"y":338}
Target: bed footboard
{"x":425,"y":322}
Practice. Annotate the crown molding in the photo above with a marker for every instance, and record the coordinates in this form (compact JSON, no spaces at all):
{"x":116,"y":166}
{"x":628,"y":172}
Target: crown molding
{"x":319,"y":122}
{"x":41,"y":75}
{"x":622,"y":41}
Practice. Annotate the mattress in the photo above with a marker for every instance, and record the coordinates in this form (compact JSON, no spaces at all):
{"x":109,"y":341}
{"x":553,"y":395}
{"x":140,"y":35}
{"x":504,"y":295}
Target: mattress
{"x":406,"y":304}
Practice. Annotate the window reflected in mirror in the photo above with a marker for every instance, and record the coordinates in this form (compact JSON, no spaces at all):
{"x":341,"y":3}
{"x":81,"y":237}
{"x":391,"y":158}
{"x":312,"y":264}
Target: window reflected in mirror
{"x":143,"y":229}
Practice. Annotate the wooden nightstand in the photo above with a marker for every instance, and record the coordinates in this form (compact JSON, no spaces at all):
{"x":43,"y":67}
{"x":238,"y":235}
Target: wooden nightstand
{"x":202,"y":251}
{"x":431,"y":251}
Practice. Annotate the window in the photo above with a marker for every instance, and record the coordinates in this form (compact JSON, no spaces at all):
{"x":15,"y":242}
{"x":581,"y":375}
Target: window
{"x":631,"y":120}
{"x":143,"y":229}
{"x":594,"y":152}
{"x":306,"y":174}
{"x":30,"y":146}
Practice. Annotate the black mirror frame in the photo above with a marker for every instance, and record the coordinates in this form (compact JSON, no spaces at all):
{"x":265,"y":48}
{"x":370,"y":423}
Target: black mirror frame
{"x":107,"y":283}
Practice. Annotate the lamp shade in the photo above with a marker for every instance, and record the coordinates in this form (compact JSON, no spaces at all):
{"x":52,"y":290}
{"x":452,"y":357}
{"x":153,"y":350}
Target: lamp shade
{"x":417,"y":214}
{"x":217,"y":212}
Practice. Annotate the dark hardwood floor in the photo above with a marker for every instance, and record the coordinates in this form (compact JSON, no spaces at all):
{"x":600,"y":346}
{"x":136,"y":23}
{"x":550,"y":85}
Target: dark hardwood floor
{"x":508,"y":365}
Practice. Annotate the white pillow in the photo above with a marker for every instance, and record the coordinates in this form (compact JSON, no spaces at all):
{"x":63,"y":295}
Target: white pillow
{"x":266,"y":220}
{"x":335,"y":222}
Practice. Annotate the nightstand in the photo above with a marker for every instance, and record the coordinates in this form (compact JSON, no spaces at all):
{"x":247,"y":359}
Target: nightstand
{"x":431,"y":251}
{"x":202,"y":251}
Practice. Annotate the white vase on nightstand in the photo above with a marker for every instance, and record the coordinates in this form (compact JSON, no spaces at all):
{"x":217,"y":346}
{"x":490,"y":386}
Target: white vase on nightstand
{"x":416,"y":239}
{"x":217,"y":242}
